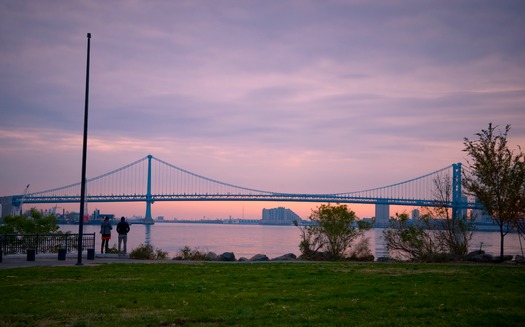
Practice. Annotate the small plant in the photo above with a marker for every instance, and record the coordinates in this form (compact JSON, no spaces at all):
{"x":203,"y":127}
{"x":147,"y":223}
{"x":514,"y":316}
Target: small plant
{"x":187,"y":253}
{"x":361,"y":250}
{"x":113,"y":249}
{"x":148,"y":252}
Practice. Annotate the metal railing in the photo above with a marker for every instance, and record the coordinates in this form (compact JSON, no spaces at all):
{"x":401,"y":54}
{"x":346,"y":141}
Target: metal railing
{"x":44,"y":243}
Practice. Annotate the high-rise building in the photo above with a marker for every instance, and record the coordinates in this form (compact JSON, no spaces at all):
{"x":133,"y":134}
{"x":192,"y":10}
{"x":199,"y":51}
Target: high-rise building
{"x":279,"y":216}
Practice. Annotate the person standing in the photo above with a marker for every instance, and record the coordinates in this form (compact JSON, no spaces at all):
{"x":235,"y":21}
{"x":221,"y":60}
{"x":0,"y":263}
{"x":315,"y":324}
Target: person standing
{"x":105,"y":230}
{"x":122,"y":230}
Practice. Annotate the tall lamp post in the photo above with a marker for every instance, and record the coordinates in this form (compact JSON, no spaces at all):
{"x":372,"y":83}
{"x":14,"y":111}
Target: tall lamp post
{"x":84,"y":156}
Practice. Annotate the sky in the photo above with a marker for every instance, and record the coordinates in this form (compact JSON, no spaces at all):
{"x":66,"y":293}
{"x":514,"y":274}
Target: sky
{"x":286,"y":96}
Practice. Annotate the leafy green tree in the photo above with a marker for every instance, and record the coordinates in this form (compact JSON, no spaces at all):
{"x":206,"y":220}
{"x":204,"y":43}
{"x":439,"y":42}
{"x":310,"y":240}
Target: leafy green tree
{"x":34,"y":222}
{"x":333,"y":230}
{"x":496,"y":177}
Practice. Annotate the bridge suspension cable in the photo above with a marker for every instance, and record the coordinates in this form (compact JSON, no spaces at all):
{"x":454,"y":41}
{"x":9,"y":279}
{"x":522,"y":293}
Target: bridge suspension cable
{"x":171,"y":183}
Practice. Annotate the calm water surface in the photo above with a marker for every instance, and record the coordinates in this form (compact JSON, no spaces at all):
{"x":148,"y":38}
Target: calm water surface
{"x":249,"y":240}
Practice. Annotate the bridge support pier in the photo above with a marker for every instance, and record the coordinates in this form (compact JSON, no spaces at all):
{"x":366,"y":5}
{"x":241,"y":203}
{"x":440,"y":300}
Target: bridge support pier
{"x":147,"y":218}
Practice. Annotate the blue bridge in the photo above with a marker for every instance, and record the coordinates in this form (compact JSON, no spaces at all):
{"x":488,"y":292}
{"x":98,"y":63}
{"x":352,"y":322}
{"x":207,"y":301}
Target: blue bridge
{"x":151,"y":179}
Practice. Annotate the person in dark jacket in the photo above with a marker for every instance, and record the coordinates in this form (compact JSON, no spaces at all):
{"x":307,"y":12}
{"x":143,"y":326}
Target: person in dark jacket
{"x":122,"y":230}
{"x":105,"y":230}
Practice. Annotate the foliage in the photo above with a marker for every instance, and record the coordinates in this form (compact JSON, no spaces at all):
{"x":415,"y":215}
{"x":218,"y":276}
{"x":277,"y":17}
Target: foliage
{"x":187,"y":253}
{"x":333,"y":230}
{"x":262,"y":294}
{"x":414,"y":240}
{"x":148,"y":252}
{"x":454,"y":232}
{"x":361,"y":250}
{"x":113,"y":249}
{"x":33,"y":223}
{"x":436,"y":235}
{"x":496,"y":177}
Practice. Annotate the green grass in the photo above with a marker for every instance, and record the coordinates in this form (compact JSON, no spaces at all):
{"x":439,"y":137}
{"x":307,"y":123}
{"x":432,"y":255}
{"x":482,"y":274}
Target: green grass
{"x":263,"y":294}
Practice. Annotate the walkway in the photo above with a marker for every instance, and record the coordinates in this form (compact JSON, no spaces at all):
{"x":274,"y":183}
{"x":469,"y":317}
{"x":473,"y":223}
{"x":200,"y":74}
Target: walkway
{"x":46,"y":260}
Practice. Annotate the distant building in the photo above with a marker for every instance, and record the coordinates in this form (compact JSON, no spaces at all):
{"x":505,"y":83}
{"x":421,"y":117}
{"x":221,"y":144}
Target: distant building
{"x":6,"y":205}
{"x":382,"y":215}
{"x":279,"y":216}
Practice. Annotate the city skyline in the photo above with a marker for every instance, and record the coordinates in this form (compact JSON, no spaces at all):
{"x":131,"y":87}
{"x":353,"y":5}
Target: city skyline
{"x":300,"y":97}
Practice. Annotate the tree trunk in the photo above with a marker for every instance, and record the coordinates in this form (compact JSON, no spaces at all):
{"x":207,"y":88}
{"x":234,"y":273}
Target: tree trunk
{"x":502,"y":235}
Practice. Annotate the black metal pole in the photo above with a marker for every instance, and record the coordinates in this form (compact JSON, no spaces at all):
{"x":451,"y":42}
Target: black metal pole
{"x":84,"y":157}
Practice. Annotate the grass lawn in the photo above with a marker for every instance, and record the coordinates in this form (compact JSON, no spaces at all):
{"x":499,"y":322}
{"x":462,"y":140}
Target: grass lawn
{"x":264,"y":294}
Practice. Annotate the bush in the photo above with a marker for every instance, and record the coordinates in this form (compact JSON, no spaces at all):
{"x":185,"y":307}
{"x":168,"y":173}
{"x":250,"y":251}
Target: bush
{"x":187,"y":253}
{"x":413,"y":240}
{"x":113,"y":249}
{"x":361,"y":250}
{"x":148,"y":252}
{"x":331,"y":233}
{"x":426,"y":239}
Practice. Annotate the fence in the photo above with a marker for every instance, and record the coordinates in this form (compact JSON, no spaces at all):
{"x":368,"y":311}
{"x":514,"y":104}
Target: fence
{"x":44,"y":243}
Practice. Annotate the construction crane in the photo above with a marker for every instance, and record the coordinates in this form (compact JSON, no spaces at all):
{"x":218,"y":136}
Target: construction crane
{"x":17,"y":207}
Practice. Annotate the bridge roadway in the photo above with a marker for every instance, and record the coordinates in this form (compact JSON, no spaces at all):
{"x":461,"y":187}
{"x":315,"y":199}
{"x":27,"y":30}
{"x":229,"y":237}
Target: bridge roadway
{"x":188,"y":186}
{"x":273,"y":197}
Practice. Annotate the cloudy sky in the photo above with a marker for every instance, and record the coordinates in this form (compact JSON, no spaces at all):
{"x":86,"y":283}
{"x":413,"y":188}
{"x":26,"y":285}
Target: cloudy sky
{"x":286,"y":96}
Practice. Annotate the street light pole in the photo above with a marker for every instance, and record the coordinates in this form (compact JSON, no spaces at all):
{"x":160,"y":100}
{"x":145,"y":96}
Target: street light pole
{"x":84,"y":157}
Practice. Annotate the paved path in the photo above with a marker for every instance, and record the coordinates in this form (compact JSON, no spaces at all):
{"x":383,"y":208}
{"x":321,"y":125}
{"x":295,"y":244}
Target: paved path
{"x":18,"y":260}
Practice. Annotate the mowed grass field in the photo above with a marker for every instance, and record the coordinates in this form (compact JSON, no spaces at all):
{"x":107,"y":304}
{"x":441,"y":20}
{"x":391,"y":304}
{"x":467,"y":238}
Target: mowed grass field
{"x":264,"y":294}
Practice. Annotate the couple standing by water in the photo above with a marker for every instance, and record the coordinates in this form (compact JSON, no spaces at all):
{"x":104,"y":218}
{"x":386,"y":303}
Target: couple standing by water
{"x":122,"y":230}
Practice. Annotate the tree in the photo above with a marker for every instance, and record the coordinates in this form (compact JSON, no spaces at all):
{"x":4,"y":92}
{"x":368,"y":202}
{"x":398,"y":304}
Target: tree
{"x":333,"y":230}
{"x":436,"y":235}
{"x":455,"y":232}
{"x":496,"y":177}
{"x":33,"y":223}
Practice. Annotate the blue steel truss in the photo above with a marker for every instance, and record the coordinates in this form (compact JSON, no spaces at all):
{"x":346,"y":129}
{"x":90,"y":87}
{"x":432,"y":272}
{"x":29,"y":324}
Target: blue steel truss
{"x":150,"y":179}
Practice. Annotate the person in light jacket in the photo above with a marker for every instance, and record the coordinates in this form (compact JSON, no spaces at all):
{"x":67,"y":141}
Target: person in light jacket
{"x":105,"y":230}
{"x":122,"y":230}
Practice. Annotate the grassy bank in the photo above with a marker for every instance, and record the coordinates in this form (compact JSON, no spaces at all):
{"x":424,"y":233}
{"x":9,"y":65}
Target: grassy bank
{"x":263,"y":294}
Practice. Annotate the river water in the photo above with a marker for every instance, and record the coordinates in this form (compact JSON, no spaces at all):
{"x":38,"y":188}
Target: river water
{"x":249,"y":240}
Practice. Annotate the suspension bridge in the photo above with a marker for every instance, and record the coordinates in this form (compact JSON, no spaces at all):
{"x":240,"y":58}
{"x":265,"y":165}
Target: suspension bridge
{"x":150,"y":180}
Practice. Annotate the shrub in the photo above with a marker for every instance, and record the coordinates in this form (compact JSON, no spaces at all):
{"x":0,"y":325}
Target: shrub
{"x":113,"y":249}
{"x":331,"y":233}
{"x":148,"y":252}
{"x":187,"y":253}
{"x":361,"y":250}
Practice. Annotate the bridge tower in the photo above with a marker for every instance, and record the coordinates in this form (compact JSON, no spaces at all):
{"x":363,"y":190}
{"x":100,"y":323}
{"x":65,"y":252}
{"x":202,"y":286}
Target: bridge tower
{"x":457,"y":201}
{"x":149,"y":201}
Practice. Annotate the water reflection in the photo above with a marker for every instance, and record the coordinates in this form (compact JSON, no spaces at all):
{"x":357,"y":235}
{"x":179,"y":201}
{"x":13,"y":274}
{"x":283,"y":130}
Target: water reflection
{"x":379,"y":242}
{"x":147,"y":234}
